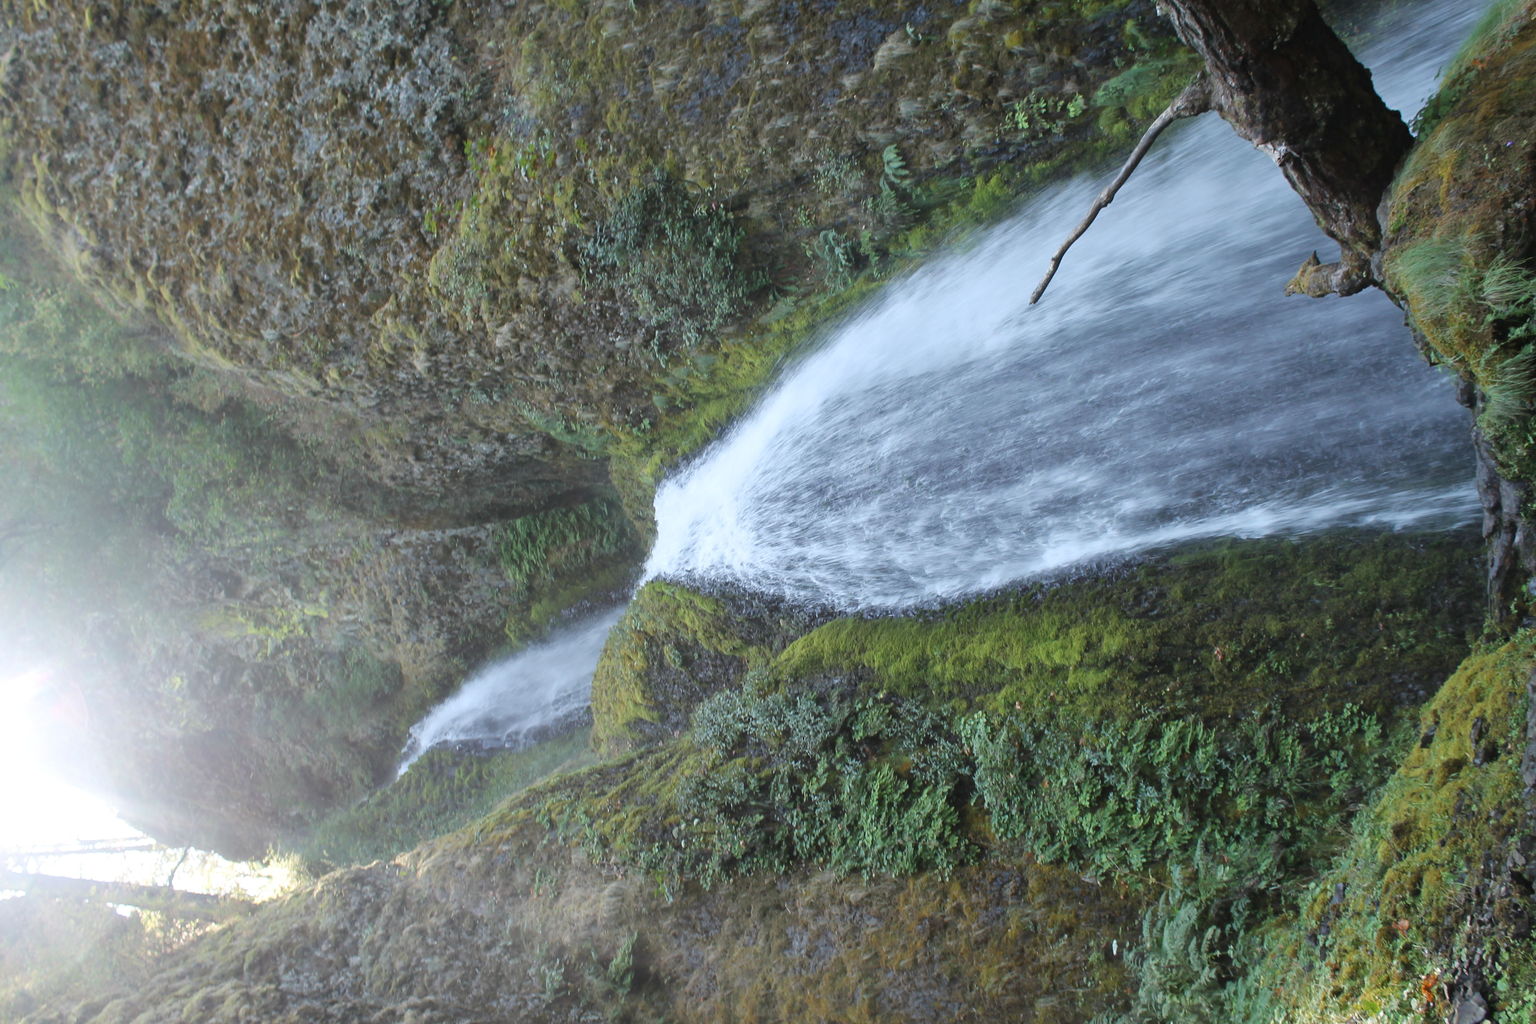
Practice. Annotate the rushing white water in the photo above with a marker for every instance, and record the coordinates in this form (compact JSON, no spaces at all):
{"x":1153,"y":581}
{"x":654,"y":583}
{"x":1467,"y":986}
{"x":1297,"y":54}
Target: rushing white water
{"x":508,"y":701}
{"x":952,"y":439}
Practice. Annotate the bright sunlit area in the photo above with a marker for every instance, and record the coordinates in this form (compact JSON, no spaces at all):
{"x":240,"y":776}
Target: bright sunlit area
{"x":50,"y":828}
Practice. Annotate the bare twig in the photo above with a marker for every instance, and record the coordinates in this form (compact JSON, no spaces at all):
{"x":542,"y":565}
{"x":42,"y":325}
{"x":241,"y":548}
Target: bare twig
{"x":170,"y":880}
{"x":1195,"y":99}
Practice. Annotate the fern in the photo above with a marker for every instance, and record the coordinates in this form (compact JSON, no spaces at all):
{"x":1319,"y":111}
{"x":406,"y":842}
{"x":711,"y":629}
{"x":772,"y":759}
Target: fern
{"x":896,"y":174}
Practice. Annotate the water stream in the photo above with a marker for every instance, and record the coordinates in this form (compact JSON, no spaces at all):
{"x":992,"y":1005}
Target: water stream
{"x":950,"y":439}
{"x":511,"y":701}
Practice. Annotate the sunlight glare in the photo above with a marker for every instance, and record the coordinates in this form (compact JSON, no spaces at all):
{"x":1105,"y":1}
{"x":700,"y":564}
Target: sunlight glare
{"x":36,"y":809}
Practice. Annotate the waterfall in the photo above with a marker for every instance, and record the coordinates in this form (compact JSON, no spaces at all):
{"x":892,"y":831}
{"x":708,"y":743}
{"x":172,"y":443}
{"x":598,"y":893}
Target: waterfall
{"x":951,"y":439}
{"x":512,"y":700}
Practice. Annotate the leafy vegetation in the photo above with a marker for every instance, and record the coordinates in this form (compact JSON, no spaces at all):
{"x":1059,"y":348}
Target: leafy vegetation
{"x":678,"y":256}
{"x":1117,"y":797}
{"x":864,"y":784}
{"x":555,"y":558}
{"x":1452,"y":251}
{"x":1420,"y":902}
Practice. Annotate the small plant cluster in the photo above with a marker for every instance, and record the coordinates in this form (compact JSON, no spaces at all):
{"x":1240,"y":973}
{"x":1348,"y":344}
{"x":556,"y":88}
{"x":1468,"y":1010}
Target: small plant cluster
{"x":868,"y":784}
{"x":877,"y":783}
{"x":1042,"y":114}
{"x":677,"y":254}
{"x":896,"y":206}
{"x":537,"y":549}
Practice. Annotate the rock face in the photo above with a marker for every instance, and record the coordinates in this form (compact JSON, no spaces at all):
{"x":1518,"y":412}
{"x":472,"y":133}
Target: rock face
{"x":394,"y":209}
{"x":452,"y":268}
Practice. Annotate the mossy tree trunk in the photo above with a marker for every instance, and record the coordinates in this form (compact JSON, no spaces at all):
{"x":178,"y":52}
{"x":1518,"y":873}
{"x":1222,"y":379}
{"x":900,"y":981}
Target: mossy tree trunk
{"x":1282,"y":78}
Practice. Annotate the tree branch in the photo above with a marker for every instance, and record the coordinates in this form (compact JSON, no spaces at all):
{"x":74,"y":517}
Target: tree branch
{"x":194,"y":905}
{"x":1195,"y":99}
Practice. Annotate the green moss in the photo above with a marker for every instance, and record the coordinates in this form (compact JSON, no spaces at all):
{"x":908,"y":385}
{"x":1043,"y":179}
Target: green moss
{"x":672,"y":648}
{"x":1454,"y":254}
{"x":1213,"y":631}
{"x":1406,"y":901}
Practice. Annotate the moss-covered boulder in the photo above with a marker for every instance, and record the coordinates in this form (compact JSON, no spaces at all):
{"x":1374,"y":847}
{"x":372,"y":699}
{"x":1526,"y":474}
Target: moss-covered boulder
{"x":674,"y":647}
{"x":1213,"y":630}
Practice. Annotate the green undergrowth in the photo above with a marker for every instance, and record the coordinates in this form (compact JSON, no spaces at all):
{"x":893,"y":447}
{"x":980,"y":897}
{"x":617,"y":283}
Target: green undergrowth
{"x":678,"y":256}
{"x":1238,"y":705}
{"x":557,"y":558}
{"x":442,"y":791}
{"x":1426,"y":895}
{"x":872,"y":784}
{"x":1497,"y":25}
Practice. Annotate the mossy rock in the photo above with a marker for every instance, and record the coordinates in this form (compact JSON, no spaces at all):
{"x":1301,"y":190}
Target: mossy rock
{"x":1426,"y":901}
{"x":1214,"y":630}
{"x":1461,"y":228}
{"x":674,"y":647}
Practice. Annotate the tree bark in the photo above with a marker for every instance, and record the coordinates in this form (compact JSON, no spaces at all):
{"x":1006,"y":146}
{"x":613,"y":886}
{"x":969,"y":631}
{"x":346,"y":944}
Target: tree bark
{"x":1282,"y":78}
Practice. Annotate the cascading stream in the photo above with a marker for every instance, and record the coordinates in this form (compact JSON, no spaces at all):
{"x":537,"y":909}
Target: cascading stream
{"x":510,"y":701}
{"x":950,"y":439}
